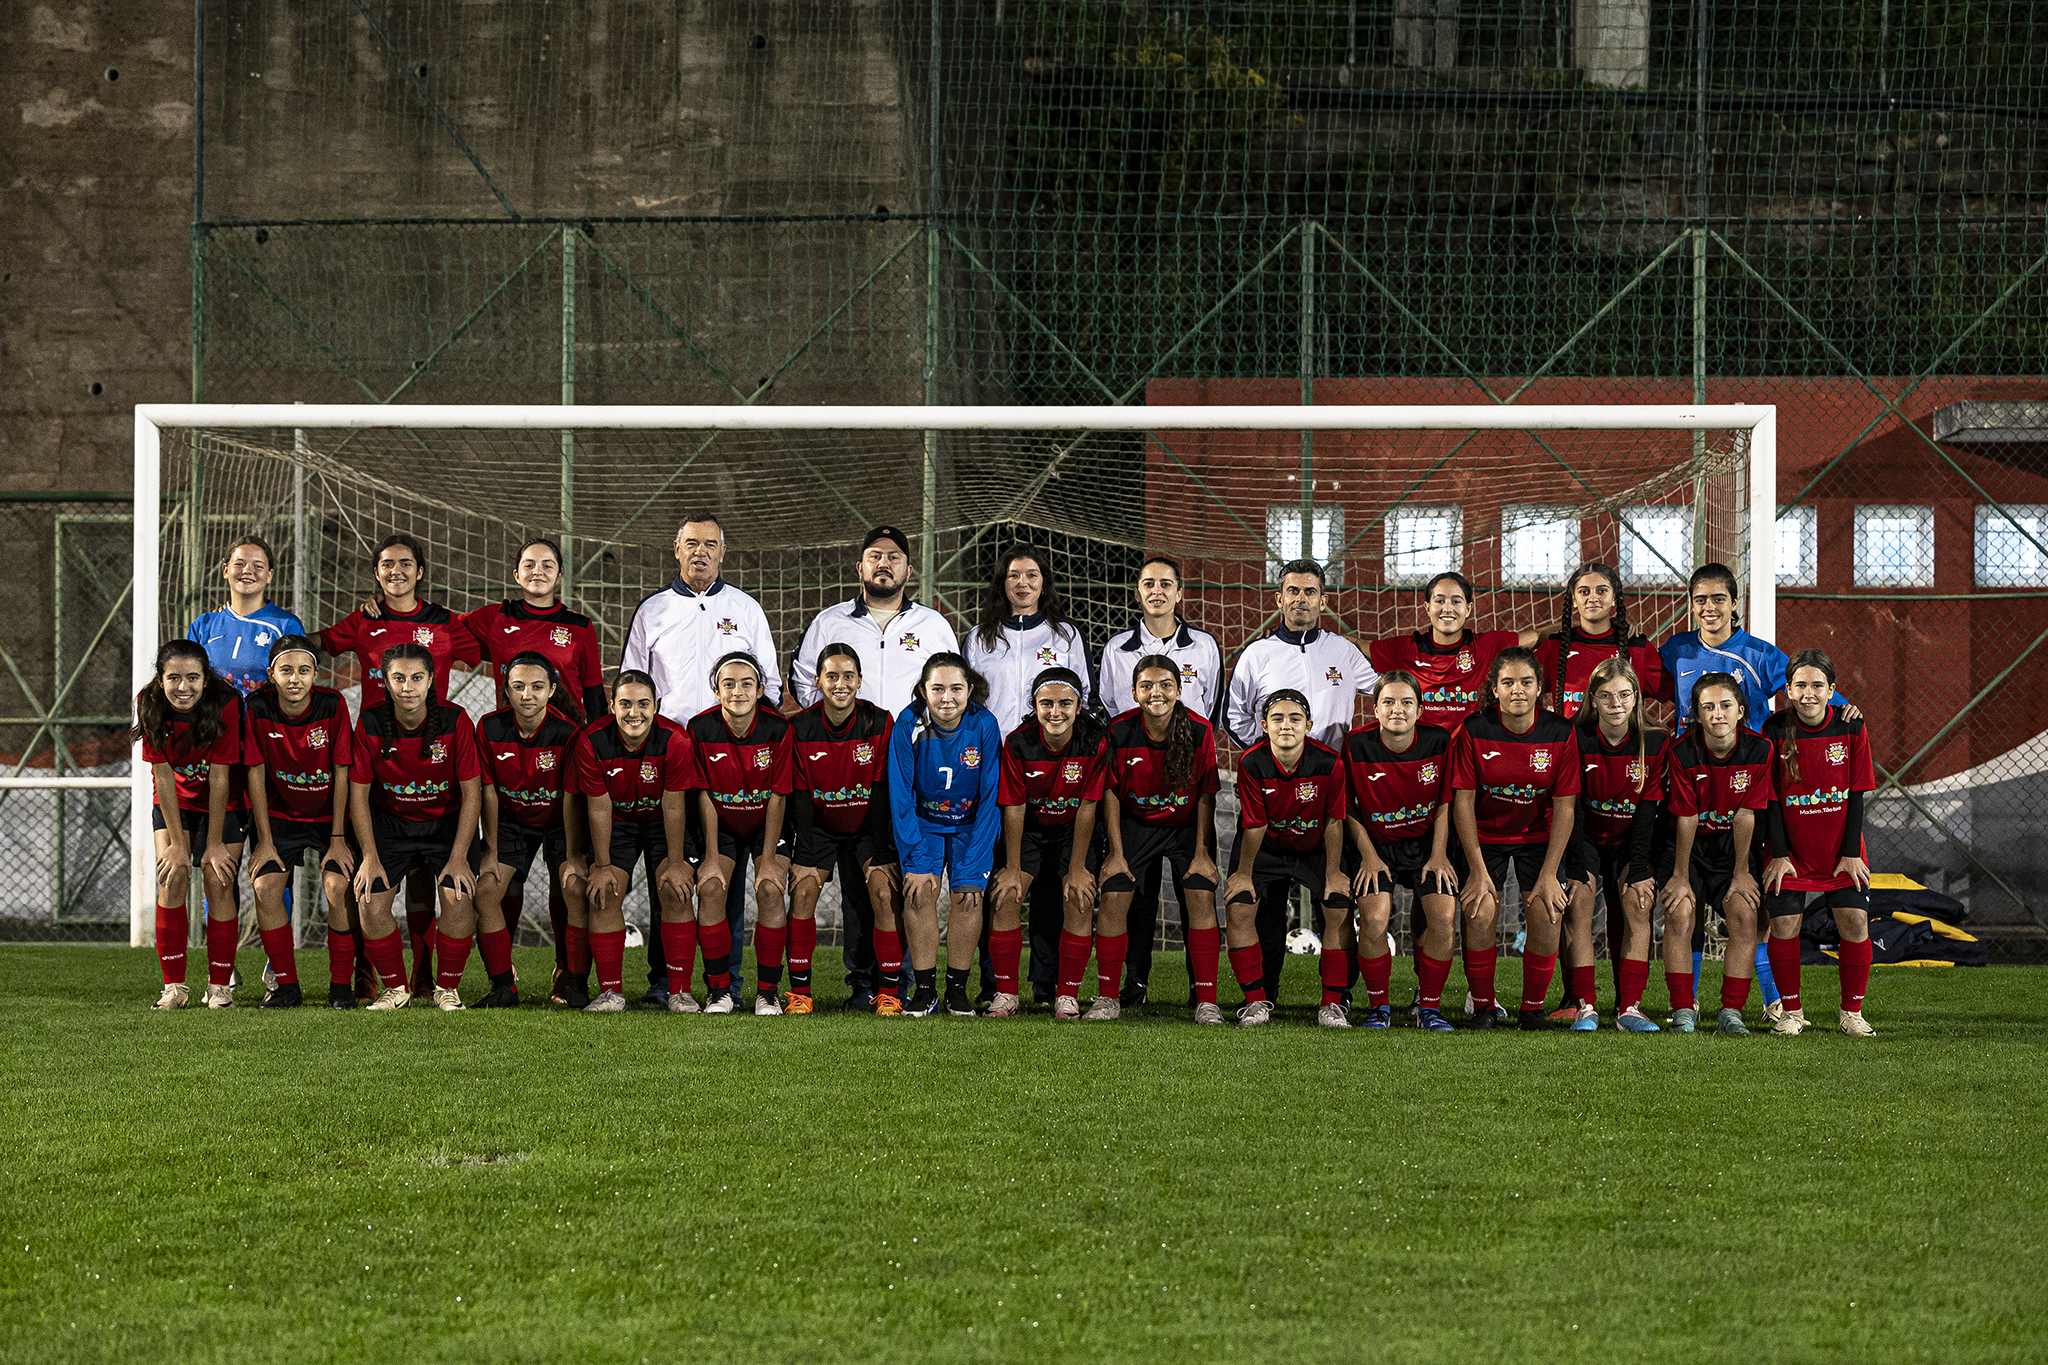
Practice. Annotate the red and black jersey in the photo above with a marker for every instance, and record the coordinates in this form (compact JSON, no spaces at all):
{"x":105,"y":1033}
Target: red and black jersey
{"x":635,"y":779}
{"x":1612,"y":779}
{"x":530,"y":774}
{"x":1697,"y":783}
{"x":410,"y":775}
{"x":1137,"y":772}
{"x":1051,"y":787}
{"x":563,"y":637}
{"x":299,"y":756}
{"x":742,"y":771}
{"x":1517,"y":777}
{"x":839,"y":771}
{"x":1834,"y":763}
{"x":191,"y":767}
{"x":1565,"y":682}
{"x":1295,"y":808}
{"x":428,"y":623}
{"x":1452,"y":676}
{"x":1395,"y":796}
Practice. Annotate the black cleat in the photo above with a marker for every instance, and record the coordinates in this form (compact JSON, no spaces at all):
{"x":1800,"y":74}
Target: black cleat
{"x":922,"y":1005}
{"x":573,"y":991}
{"x":986,"y":998}
{"x":284,"y":995}
{"x":501,"y":996}
{"x":861,"y":1001}
{"x":957,"y":1002}
{"x":1535,"y":1021}
{"x":341,"y":995}
{"x":1480,"y":1020}
{"x":1132,"y":995}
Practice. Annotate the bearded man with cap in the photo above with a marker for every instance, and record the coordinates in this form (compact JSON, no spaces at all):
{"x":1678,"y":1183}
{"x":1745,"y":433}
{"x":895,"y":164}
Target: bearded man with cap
{"x":893,"y":635}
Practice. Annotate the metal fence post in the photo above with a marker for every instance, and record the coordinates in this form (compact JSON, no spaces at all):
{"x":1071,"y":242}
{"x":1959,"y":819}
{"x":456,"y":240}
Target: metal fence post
{"x":568,"y":400}
{"x":929,"y":507}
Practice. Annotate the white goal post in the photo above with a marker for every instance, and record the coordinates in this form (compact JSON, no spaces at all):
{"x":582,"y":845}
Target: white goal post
{"x":152,"y":419}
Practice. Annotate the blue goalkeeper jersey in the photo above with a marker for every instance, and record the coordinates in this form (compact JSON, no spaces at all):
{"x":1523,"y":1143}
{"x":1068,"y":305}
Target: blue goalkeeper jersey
{"x":1756,"y":663}
{"x":238,"y":647}
{"x":942,"y":788}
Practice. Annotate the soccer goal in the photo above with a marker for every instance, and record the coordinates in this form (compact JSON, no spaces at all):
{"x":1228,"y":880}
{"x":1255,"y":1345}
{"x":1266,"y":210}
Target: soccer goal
{"x":1513,"y":497}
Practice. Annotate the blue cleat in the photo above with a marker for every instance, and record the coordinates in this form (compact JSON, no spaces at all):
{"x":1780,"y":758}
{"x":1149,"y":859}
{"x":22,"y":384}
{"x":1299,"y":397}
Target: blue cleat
{"x":1587,"y":1020}
{"x":1379,"y":1016}
{"x":1631,"y":1020}
{"x":1433,"y":1021}
{"x":1685,"y":1020}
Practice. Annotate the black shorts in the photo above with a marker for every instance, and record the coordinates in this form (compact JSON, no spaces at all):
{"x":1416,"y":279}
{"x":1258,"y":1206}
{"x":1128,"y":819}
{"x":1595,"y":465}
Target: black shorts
{"x":820,"y":847}
{"x":1783,"y":903}
{"x":234,"y":826}
{"x":1145,"y":844}
{"x":1405,"y":859}
{"x":1279,"y":866}
{"x":293,"y":839}
{"x":637,"y":841}
{"x":405,"y":846}
{"x":518,"y":843}
{"x":1713,"y":864}
{"x":732,"y":845}
{"x":1607,"y":865}
{"x":1525,"y":859}
{"x":1050,"y":847}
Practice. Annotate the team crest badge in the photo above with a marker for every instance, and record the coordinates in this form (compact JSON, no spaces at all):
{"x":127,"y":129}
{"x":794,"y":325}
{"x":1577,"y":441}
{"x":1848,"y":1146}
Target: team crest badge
{"x":1838,"y":753}
{"x":1636,"y":771}
{"x":906,"y":641}
{"x":863,"y":752}
{"x":1428,"y":773}
{"x":763,"y":757}
{"x":1539,"y":760}
{"x":1335,"y":675}
{"x":970,"y":758}
{"x":544,"y":761}
{"x":317,"y":739}
{"x":1306,"y":791}
{"x":437,"y":752}
{"x":1466,"y":663}
{"x":560,"y":637}
{"x":423,"y":635}
{"x":1047,"y":656}
{"x":1738,"y":782}
{"x":1187,"y":674}
{"x":726,"y":626}
{"x":1073,"y":770}
{"x":648,"y":772}
{"x":262,"y":638}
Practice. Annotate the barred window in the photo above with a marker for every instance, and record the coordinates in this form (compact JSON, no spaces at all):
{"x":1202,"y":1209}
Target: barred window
{"x":1656,"y":544}
{"x":2010,"y":543}
{"x":1798,"y":546}
{"x":1539,"y":545}
{"x":1895,"y":547}
{"x":1423,"y":542}
{"x":1283,"y":539}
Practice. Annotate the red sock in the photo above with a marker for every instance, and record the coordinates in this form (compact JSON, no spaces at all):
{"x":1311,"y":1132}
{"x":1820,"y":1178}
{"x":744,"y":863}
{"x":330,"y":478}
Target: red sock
{"x":1785,"y":971}
{"x":1585,"y":984}
{"x":341,"y":956}
{"x":1479,"y":964}
{"x":608,"y":951}
{"x":1073,"y":962}
{"x":889,"y":961}
{"x":579,"y":951}
{"x":1205,"y":947}
{"x":1248,"y":965}
{"x":1734,"y":992}
{"x":1680,"y":986}
{"x":1109,"y":963}
{"x":387,"y":955}
{"x":1376,"y":973}
{"x":715,"y":940}
{"x":284,"y":960}
{"x":1006,"y":947}
{"x":1538,"y":969}
{"x":1631,"y":977}
{"x":496,"y":947}
{"x":451,"y":960}
{"x":679,"y":948}
{"x":221,"y":935}
{"x":803,"y":943}
{"x":1336,"y":969}
{"x":1854,"y":960}
{"x":173,"y":927}
{"x":768,"y":946}
{"x":1430,"y":975}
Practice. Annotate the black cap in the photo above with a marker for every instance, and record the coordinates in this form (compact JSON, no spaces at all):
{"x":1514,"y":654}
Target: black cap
{"x":887,"y":533}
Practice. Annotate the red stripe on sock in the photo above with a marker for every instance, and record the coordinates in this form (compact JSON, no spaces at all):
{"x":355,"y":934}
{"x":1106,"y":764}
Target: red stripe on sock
{"x":1854,"y":960}
{"x":1377,"y":973}
{"x":1006,"y":947}
{"x":173,"y":927}
{"x":1430,"y":975}
{"x":221,"y":935}
{"x":1248,"y":965}
{"x":1785,"y":971}
{"x":1205,"y":949}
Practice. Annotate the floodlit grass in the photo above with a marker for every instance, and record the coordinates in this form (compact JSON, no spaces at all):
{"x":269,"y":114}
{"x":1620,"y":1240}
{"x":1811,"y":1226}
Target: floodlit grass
{"x":534,"y":1186}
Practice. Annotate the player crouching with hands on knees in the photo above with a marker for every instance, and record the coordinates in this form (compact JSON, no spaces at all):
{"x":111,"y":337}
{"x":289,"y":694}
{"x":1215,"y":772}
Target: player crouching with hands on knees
{"x":1160,"y":802}
{"x":1400,"y":825}
{"x":945,"y":769}
{"x":1815,"y":828}
{"x":1055,"y":766}
{"x":299,"y":747}
{"x":1290,"y":832}
{"x":1515,"y":779}
{"x":635,"y":771}
{"x":744,"y":765}
{"x":189,"y":720}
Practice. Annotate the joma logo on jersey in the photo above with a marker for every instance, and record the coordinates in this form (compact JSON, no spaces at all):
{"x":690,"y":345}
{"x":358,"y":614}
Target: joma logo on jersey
{"x":317,"y":739}
{"x":1072,"y":771}
{"x":763,"y":757}
{"x":1335,"y":676}
{"x":1539,"y":760}
{"x":648,"y":772}
{"x":423,"y":635}
{"x":863,"y":752}
{"x":970,"y":758}
{"x":1838,"y":753}
{"x":560,"y":636}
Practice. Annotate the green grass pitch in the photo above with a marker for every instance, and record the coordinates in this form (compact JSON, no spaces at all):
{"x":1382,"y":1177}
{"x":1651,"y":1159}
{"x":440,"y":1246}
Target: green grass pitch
{"x":533,"y":1186}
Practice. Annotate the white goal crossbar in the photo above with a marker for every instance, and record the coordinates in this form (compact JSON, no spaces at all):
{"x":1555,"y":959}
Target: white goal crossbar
{"x":1760,"y":421}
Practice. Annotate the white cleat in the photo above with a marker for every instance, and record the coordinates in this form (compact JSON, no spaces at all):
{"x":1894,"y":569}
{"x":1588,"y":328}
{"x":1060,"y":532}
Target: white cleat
{"x":269,"y":979}
{"x":1103,"y":1007}
{"x":1856,"y":1026}
{"x":682,"y":1002}
{"x":447,"y":1001}
{"x":1332,"y":1016}
{"x":1773,"y":1012}
{"x":175,"y":997}
{"x":1066,"y":1007}
{"x":607,"y":1002}
{"x":1005,"y":1006}
{"x":766,"y":1004}
{"x":1254,"y":1012}
{"x":1791,"y":1023}
{"x":721,"y":1002}
{"x":1208,"y":1012}
{"x":391,"y":998}
{"x":219,"y":998}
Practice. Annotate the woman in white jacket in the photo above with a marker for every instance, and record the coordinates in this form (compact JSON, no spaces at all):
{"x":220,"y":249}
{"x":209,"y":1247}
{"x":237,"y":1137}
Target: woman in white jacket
{"x":1024,"y":629}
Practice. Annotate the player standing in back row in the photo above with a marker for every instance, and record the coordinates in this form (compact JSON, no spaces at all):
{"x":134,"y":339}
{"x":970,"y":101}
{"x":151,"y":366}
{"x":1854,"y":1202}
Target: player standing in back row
{"x":237,"y":637}
{"x":1449,"y":659}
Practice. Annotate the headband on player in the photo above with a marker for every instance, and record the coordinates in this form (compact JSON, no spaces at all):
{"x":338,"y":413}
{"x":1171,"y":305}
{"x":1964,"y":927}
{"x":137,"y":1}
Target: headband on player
{"x":1055,"y":677}
{"x":293,"y":644}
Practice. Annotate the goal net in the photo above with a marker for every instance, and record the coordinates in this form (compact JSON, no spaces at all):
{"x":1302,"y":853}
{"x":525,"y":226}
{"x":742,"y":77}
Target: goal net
{"x":1515,"y":498}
